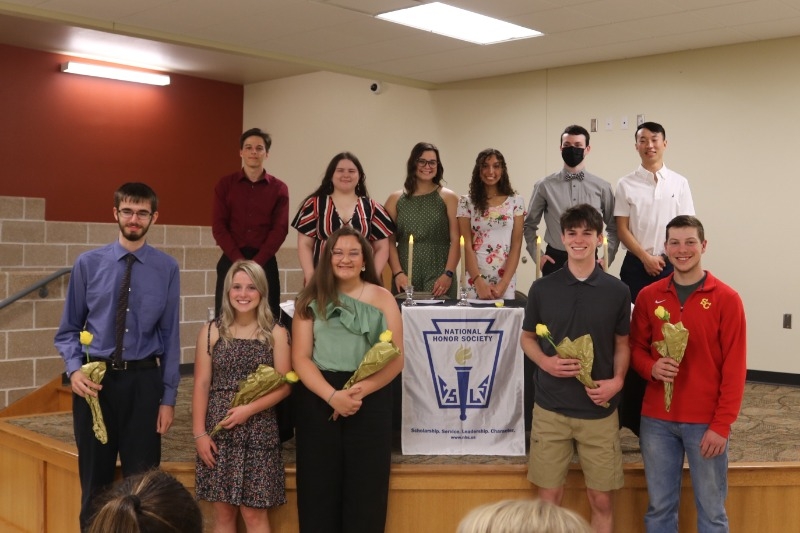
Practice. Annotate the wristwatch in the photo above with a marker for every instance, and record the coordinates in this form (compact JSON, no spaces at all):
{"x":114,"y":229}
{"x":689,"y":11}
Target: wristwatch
{"x":448,"y":273}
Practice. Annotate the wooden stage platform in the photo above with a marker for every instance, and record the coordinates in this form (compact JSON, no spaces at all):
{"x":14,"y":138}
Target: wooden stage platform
{"x":39,"y":489}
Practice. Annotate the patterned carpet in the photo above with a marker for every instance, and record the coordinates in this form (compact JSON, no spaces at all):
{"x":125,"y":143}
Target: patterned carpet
{"x":766,"y":431}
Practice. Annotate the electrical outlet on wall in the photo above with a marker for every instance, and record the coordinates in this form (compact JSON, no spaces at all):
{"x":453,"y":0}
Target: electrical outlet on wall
{"x":623,"y":123}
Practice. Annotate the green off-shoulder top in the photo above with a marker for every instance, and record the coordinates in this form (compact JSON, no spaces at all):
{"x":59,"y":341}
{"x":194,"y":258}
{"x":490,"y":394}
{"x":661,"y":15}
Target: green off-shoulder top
{"x":344,"y":333}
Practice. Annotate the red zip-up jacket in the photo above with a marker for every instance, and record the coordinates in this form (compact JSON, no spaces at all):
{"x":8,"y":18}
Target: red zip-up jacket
{"x":710,"y":381}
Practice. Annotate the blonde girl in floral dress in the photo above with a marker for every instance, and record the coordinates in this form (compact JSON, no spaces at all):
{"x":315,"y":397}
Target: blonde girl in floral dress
{"x":490,"y":218}
{"x":239,"y":470}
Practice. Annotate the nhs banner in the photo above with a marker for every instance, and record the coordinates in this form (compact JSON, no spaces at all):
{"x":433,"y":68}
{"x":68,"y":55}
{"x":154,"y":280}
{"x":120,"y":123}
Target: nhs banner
{"x":462,"y":381}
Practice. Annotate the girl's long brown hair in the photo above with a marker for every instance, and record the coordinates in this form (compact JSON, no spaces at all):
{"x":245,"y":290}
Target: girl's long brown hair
{"x":323,"y":286}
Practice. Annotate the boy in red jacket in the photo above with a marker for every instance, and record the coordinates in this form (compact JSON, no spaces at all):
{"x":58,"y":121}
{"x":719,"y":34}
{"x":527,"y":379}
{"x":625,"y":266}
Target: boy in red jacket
{"x":708,"y":383}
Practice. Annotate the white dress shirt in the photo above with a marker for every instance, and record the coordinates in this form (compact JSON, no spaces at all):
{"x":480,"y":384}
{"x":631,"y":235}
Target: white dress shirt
{"x":650,"y":204}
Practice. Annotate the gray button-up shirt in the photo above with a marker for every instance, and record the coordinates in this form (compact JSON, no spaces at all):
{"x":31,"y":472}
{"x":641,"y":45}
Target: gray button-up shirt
{"x":554,"y":194}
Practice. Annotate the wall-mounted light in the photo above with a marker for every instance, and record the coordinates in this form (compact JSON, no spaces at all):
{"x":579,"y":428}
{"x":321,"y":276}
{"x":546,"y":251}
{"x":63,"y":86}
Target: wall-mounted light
{"x":114,"y":73}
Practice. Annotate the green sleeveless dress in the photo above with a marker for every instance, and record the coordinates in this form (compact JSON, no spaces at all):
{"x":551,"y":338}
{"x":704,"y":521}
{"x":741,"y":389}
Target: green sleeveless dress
{"x":424,"y":217}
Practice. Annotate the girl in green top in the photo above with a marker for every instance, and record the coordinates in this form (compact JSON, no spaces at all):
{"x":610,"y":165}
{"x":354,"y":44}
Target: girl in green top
{"x":343,"y":436}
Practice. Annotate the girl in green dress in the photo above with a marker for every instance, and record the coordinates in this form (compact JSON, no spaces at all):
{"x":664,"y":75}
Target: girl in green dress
{"x":426,"y":210}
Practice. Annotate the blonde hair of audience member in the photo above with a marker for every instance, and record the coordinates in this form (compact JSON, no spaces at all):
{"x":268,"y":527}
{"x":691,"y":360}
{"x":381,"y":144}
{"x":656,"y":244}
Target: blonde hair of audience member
{"x":522,"y":516}
{"x":152,"y":502}
{"x":263,"y":313}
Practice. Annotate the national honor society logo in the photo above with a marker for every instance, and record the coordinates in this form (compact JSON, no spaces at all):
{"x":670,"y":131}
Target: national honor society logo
{"x":463,"y":356}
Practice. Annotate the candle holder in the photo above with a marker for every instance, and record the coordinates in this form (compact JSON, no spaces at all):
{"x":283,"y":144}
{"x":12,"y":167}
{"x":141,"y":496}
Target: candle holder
{"x":462,"y":302}
{"x":409,"y":296}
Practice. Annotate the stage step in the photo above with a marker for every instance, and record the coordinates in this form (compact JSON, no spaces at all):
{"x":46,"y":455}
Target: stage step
{"x":52,"y":397}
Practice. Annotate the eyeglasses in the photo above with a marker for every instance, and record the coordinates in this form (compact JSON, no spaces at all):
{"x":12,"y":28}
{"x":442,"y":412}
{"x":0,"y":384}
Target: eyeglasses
{"x":425,"y":163}
{"x":129,"y":213}
{"x":336,"y":253}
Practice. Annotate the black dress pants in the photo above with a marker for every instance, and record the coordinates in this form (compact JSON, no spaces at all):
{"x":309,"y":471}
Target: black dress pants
{"x":343,"y":465}
{"x":633,"y":274}
{"x":560,"y":258}
{"x":130,"y":401}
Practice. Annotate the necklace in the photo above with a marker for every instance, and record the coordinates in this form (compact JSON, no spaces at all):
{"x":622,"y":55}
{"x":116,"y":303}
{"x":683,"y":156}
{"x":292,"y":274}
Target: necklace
{"x":237,"y":334}
{"x":360,"y":293}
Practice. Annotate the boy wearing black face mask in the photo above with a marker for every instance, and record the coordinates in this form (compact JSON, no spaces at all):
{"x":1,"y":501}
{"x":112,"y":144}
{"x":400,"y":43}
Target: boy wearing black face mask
{"x":556,"y":193}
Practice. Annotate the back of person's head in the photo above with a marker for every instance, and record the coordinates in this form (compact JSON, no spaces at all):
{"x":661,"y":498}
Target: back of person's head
{"x":652,"y":127}
{"x":522,"y":516}
{"x":582,"y":216}
{"x":153,"y":502}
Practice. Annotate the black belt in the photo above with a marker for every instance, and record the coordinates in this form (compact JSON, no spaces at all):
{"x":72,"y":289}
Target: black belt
{"x":138,"y":364}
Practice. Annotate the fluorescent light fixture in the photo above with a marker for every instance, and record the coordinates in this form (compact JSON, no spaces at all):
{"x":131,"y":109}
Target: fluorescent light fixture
{"x":458,"y":23}
{"x":114,"y":73}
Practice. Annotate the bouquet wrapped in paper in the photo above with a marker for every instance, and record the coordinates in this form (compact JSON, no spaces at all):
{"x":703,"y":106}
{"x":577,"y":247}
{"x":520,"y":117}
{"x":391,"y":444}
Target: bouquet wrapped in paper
{"x":257,"y":384}
{"x":377,"y":357}
{"x":676,"y":336}
{"x":95,"y":371}
{"x":581,"y":349}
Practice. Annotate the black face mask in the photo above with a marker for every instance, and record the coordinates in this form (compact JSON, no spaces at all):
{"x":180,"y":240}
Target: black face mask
{"x":572,"y":156}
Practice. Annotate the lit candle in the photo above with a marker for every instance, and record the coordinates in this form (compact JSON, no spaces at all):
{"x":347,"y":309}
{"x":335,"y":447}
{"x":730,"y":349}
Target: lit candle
{"x":463,"y":264}
{"x":538,"y":257}
{"x":410,"y":258}
{"x":605,"y":253}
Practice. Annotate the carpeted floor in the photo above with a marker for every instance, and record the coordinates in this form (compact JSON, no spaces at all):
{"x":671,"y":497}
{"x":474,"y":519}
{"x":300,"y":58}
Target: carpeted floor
{"x":766,"y":431}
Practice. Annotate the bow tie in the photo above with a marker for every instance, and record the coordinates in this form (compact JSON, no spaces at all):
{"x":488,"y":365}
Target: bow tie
{"x":576,"y":176}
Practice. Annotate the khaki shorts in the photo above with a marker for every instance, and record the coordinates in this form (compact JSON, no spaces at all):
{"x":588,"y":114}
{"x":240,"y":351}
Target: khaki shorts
{"x":597,"y":441}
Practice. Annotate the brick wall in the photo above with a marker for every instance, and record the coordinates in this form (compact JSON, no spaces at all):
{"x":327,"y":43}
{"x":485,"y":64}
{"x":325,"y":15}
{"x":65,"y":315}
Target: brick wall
{"x":32,"y":248}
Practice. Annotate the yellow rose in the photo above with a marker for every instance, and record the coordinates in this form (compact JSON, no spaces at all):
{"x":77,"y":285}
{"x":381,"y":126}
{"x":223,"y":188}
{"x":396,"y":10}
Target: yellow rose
{"x":542,"y":331}
{"x":662,"y":313}
{"x":386,"y":336}
{"x":291,"y":377}
{"x":86,"y":338}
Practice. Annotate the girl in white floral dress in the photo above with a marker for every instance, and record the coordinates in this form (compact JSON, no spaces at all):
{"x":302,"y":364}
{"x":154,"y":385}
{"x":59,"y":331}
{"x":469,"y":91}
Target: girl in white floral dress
{"x":490,"y":218}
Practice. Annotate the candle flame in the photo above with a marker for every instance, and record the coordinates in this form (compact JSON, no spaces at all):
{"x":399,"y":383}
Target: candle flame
{"x":410,"y":239}
{"x":462,"y":240}
{"x":538,"y":240}
{"x":605,"y":240}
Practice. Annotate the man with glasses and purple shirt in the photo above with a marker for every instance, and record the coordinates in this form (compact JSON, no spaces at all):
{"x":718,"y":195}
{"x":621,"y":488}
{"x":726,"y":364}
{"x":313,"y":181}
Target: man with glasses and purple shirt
{"x":127,"y":295}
